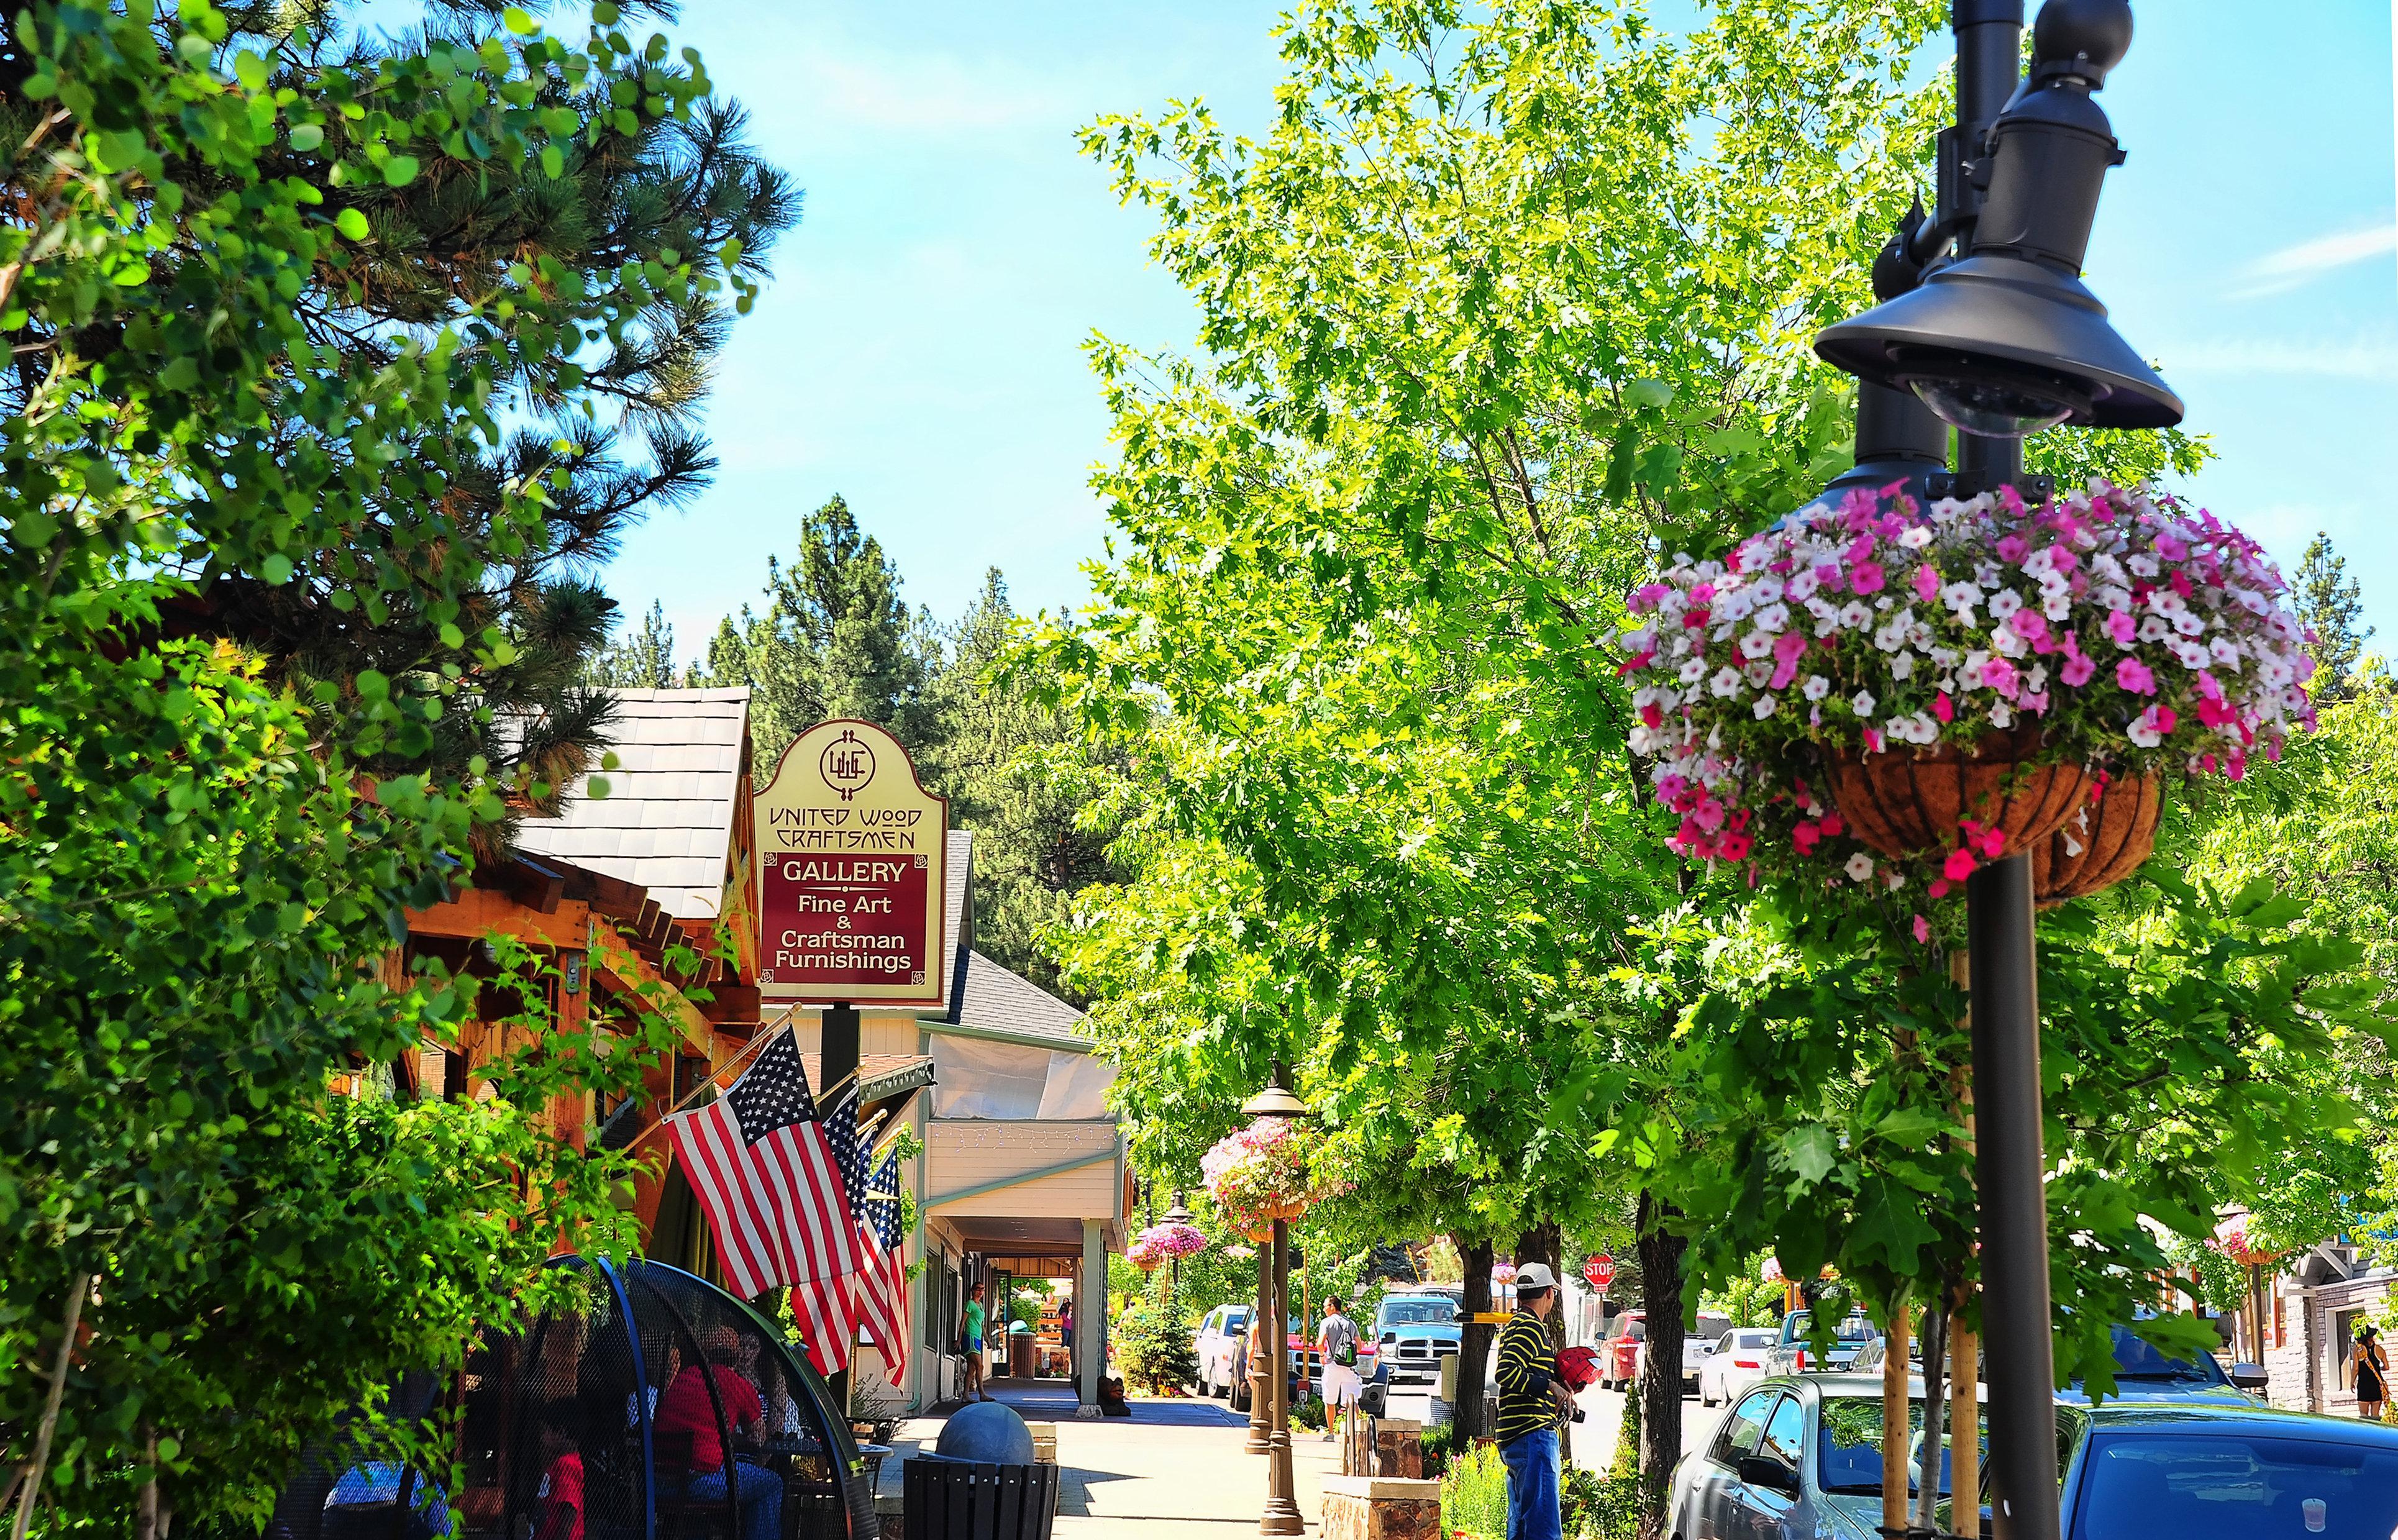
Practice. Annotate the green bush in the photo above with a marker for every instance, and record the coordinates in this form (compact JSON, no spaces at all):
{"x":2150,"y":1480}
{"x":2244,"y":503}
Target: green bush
{"x":1600,"y":1508}
{"x":1308,"y":1412}
{"x":1155,"y":1350}
{"x":1474,"y":1493}
{"x":1439,"y":1444}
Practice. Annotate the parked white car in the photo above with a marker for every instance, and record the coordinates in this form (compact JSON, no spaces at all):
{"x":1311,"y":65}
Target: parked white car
{"x":1737,"y":1363}
{"x":1213,"y":1344}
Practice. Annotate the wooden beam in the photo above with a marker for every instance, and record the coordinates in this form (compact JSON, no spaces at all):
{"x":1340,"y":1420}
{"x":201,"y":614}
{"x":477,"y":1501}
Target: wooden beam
{"x":632,"y":972}
{"x":477,"y":911}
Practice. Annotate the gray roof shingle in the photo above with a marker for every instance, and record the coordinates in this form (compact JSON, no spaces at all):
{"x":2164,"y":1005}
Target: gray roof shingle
{"x":998,"y":1000}
{"x":667,"y":822}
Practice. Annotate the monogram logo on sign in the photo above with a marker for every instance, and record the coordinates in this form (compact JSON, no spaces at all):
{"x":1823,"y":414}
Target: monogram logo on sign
{"x":847,"y":765}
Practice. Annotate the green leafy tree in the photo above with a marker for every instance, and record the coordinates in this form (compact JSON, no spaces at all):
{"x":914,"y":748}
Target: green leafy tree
{"x":208,"y":852}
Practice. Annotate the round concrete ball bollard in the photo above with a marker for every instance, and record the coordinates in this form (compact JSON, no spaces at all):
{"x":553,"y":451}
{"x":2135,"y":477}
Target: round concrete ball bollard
{"x":986,"y":1433}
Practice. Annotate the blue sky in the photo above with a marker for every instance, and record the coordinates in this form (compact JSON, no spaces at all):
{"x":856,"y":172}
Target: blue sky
{"x":919,"y":350}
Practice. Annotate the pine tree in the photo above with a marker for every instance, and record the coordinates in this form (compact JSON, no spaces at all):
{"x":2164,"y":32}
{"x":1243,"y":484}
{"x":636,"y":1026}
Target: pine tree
{"x":2331,"y":604}
{"x":643,"y":661}
{"x":1016,"y":773}
{"x":836,"y":640}
{"x":446,"y":233}
{"x":1158,"y":1348}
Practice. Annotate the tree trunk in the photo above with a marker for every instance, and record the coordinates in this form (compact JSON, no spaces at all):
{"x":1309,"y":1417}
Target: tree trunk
{"x":1894,"y":1416}
{"x":1935,"y":1405}
{"x":1661,"y":1378}
{"x":1472,"y":1341}
{"x":37,"y":1469}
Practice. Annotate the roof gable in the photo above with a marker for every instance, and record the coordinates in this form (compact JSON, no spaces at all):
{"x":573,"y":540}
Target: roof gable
{"x":667,"y":822}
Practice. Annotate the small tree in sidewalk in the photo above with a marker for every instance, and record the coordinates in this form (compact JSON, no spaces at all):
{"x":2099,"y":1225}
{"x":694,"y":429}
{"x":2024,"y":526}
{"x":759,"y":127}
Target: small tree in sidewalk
{"x":1158,"y":1351}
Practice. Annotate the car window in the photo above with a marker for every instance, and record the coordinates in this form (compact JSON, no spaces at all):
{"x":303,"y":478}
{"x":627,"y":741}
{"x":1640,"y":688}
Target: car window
{"x":1786,"y":1434}
{"x":1742,"y":1428}
{"x":1637,"y":1331}
{"x":1753,"y":1339}
{"x":2237,"y":1487}
{"x":2139,"y":1359}
{"x":1847,"y":1446}
{"x":1417,"y":1311}
{"x":1710,"y":1328}
{"x":1724,"y":1344}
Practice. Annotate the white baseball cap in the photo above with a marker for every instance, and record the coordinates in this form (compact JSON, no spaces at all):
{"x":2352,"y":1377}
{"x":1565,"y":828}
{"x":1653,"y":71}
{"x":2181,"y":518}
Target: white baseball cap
{"x":1533,"y":1275}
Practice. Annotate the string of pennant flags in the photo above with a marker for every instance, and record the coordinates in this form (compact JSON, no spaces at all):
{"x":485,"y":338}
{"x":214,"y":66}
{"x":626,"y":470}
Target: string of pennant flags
{"x":794,"y":1201}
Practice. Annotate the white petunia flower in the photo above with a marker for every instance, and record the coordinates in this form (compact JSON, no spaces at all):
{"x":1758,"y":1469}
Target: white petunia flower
{"x":1862,"y":703}
{"x":1764,"y":705}
{"x":1854,"y":613}
{"x":2142,"y":565}
{"x":1726,"y":684}
{"x":2005,"y":602}
{"x":2155,"y":629}
{"x":1816,"y":687}
{"x":1692,"y":671}
{"x":1801,"y":587}
{"x":1860,"y":865}
{"x":1756,"y":644}
{"x":2188,"y":624}
{"x":1915,"y":537}
{"x":2003,"y":715}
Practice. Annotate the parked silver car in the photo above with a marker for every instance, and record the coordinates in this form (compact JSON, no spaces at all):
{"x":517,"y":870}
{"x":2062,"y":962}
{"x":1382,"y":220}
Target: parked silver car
{"x":1797,"y":1458}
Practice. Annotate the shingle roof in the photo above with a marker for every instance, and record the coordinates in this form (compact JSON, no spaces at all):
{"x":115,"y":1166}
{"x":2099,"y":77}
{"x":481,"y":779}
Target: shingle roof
{"x":667,"y":821}
{"x":997,"y":1000}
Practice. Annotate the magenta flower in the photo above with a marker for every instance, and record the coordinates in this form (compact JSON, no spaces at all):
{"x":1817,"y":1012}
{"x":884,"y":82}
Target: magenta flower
{"x":1959,"y":865}
{"x":2119,"y":627}
{"x":2077,"y":671}
{"x":1867,"y":578}
{"x":1942,"y":708}
{"x":2012,"y":548}
{"x":1927,"y":582}
{"x":1999,"y":675}
{"x":1922,"y":928}
{"x":2133,"y":675}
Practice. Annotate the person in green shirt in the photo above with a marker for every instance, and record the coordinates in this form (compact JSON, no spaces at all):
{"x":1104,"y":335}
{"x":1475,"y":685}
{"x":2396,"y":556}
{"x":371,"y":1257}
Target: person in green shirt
{"x":970,"y":1341}
{"x":1531,"y":1398}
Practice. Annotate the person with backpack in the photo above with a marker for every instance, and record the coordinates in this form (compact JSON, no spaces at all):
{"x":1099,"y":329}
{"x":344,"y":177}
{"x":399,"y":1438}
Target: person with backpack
{"x":1336,"y":1338}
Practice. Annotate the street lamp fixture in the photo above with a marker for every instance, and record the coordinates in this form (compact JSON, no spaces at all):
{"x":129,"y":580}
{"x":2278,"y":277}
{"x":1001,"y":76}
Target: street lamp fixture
{"x":1281,"y":1514}
{"x":2007,"y":341}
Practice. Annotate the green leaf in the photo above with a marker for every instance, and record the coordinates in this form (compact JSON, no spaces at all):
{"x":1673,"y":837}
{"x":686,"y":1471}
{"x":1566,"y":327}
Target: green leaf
{"x":251,"y":70}
{"x":1809,"y":1153}
{"x":1654,"y":394}
{"x":352,"y":223}
{"x":400,"y":171}
{"x":518,"y":21}
{"x":306,"y":136}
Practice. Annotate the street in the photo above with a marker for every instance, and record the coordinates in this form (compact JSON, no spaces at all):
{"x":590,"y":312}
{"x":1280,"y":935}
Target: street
{"x":1593,"y":1438}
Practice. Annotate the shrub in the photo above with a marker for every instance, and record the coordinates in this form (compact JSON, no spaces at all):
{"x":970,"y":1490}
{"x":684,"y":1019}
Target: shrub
{"x":1474,"y":1493}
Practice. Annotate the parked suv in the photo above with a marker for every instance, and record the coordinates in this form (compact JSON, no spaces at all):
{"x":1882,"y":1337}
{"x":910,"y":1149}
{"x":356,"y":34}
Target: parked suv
{"x":1412,"y":1334}
{"x":1218,"y":1336}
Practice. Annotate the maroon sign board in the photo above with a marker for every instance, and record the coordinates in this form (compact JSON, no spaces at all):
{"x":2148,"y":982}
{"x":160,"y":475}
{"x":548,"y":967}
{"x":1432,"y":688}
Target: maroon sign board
{"x":851,"y":868}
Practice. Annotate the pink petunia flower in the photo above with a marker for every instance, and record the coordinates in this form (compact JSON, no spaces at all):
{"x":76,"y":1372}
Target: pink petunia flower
{"x":2012,"y":548}
{"x":2120,"y":626}
{"x":1922,"y":928}
{"x":2133,"y":675}
{"x":1927,"y":582}
{"x":1959,"y":865}
{"x":2077,"y":671}
{"x":1867,"y":578}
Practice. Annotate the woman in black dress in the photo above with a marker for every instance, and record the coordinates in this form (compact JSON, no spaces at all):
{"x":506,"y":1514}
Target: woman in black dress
{"x":2372,"y":1374}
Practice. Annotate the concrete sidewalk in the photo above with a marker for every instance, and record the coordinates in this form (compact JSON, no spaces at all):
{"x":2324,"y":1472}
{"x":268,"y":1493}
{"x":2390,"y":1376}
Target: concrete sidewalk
{"x":1175,"y":1466}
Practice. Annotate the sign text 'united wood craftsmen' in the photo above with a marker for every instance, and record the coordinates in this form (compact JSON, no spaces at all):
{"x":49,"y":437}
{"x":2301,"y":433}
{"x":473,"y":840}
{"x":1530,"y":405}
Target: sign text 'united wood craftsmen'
{"x":852,"y":866}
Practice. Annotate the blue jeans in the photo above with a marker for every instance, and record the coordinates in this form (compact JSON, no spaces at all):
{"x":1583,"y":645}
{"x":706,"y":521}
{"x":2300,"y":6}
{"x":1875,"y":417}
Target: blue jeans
{"x":759,"y":1493}
{"x":1532,"y":1486}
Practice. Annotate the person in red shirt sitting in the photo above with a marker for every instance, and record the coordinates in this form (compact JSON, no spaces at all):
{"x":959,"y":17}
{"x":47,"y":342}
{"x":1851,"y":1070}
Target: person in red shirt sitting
{"x":558,"y":1506}
{"x":686,"y":1412}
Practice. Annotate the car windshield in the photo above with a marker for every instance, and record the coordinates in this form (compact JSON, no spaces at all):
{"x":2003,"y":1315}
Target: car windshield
{"x":1856,"y":1328}
{"x":2229,"y":1486}
{"x":1847,"y":1446}
{"x":1711,"y":1326}
{"x":1417,"y":1311}
{"x":2137,"y":1358}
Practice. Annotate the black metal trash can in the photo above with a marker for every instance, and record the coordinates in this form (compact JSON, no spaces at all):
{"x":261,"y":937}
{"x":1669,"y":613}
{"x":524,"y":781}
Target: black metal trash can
{"x":956,"y":1500}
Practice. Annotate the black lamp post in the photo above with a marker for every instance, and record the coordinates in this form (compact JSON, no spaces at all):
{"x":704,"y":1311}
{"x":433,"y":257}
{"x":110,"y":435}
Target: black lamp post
{"x":2000,"y":339}
{"x":1281,"y":1514}
{"x":1179,"y":1214}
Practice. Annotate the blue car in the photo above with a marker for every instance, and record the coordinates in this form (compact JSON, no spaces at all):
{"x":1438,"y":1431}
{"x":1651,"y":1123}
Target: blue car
{"x":2146,"y":1372}
{"x":2228,"y":1473}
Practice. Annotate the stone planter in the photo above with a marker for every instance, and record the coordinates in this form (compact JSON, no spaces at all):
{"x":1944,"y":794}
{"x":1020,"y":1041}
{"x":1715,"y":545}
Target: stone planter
{"x":1913,"y":802}
{"x":1378,"y":1507}
{"x":2115,"y":833}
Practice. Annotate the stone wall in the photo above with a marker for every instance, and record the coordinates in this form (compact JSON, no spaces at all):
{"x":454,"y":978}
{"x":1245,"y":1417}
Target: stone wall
{"x":1376,"y":1507}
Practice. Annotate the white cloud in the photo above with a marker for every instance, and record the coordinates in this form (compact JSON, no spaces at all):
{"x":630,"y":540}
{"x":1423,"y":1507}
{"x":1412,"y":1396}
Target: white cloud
{"x":2371,"y":359}
{"x":2277,"y":272}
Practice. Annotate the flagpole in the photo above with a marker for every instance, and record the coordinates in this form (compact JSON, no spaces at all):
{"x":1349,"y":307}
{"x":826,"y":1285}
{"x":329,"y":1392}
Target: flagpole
{"x":837,"y":1055}
{"x":748,"y":1050}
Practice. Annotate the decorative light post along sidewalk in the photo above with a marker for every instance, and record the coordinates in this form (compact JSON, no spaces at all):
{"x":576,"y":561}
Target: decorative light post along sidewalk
{"x":1259,"y":1175}
{"x":2000,"y":341}
{"x":1926,"y":680}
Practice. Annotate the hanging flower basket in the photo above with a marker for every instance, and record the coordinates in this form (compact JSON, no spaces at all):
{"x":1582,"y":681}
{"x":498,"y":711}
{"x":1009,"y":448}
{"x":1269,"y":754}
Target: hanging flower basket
{"x":1903,"y":802}
{"x":1261,"y":1173}
{"x":1163,"y":1243}
{"x":2102,"y":843}
{"x":1884,"y":696}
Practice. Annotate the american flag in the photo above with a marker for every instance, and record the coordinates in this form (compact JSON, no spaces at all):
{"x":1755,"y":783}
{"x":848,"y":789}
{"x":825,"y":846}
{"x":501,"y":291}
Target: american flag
{"x":828,"y":1309}
{"x":882,"y":1291}
{"x":769,"y":1180}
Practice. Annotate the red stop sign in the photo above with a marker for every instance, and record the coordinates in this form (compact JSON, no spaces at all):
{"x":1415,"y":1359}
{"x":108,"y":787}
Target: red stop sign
{"x":1599,"y":1270}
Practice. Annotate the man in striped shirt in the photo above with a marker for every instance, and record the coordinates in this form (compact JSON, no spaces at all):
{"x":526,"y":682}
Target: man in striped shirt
{"x":1531,"y":1398}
